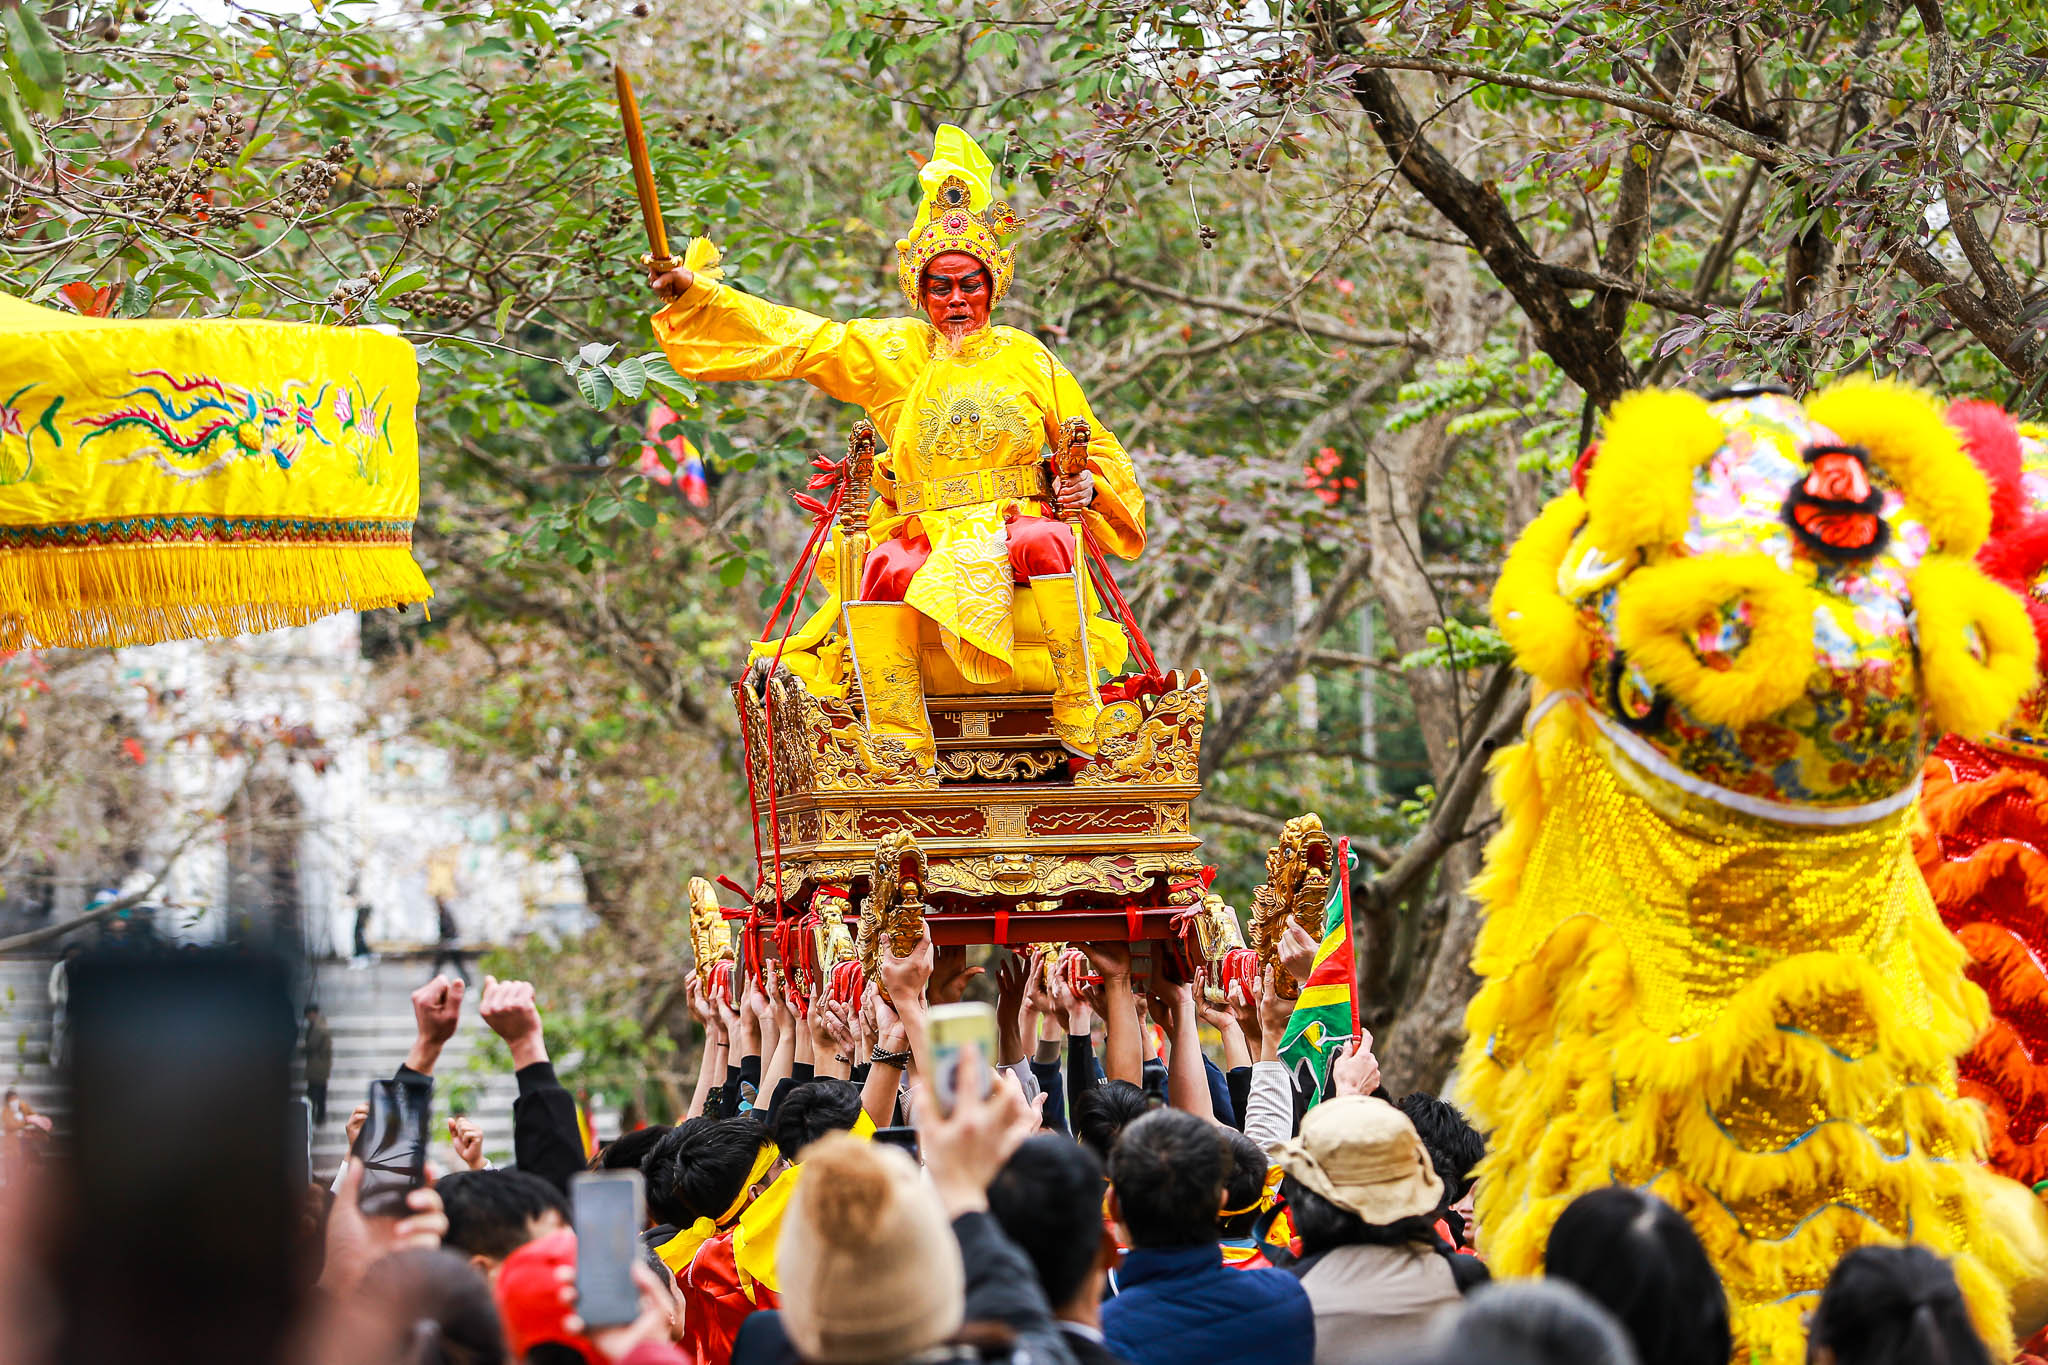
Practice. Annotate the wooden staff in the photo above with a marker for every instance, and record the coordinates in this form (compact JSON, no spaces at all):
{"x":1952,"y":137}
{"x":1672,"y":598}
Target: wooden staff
{"x":658,"y":258}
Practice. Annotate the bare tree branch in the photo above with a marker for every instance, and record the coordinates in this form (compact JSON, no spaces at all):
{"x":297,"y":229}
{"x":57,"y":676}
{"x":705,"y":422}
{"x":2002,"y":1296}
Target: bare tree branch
{"x":1315,"y":324}
{"x":1497,"y":721}
{"x":20,"y":942}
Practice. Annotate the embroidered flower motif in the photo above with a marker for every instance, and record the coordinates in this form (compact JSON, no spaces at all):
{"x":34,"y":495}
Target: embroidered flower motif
{"x":10,"y":422}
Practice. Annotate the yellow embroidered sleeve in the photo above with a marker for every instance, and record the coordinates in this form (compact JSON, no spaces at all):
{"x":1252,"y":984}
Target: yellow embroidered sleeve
{"x":716,"y":332}
{"x":1117,"y":518}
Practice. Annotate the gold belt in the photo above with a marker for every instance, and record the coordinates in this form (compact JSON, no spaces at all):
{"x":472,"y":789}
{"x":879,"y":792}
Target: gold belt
{"x":963,"y":490}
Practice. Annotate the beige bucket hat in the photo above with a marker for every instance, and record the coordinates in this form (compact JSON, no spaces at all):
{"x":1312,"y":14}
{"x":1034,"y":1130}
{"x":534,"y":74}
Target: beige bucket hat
{"x":1363,"y":1154}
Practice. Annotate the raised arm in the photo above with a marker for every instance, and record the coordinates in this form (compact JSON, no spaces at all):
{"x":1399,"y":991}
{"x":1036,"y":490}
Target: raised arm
{"x":711,"y":331}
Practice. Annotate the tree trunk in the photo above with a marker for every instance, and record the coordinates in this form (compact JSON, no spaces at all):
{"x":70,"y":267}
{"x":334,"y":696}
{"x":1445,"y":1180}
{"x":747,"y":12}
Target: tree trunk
{"x":1428,"y":1021}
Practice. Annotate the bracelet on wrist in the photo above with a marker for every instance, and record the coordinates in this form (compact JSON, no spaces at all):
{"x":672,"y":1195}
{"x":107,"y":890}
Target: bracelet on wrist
{"x":883,"y":1057}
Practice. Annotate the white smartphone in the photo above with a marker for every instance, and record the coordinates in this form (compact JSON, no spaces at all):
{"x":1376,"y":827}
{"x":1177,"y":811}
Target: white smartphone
{"x":610,"y":1208}
{"x":951,"y":1028}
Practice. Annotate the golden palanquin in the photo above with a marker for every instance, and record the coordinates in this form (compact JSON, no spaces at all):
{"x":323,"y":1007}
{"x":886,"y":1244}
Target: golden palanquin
{"x":1020,"y":843}
{"x":1020,"y":849}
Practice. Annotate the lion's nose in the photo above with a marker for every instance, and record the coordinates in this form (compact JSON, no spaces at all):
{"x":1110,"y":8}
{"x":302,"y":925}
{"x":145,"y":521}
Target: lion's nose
{"x":1834,"y":509}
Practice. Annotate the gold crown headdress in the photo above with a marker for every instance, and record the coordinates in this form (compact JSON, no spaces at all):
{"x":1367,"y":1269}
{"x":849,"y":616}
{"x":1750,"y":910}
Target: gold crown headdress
{"x":960,"y":213}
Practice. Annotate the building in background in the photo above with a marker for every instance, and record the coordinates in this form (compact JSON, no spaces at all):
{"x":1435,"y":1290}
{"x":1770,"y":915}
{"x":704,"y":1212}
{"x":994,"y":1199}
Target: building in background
{"x":286,"y":808}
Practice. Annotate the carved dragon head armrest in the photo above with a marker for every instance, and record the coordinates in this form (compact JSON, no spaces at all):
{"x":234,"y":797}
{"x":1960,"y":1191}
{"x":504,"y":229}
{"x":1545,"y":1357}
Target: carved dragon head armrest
{"x":893,"y":914}
{"x":1297,"y":887}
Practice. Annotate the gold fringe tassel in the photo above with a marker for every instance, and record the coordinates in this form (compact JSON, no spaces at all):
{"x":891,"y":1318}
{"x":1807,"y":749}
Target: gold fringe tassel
{"x":140,"y":594}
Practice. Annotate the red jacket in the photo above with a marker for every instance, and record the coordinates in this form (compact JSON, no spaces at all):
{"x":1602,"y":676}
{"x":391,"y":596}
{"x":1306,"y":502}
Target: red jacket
{"x":715,"y":1301}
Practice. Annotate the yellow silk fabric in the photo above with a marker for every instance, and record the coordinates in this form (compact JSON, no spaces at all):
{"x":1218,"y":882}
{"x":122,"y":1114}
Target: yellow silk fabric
{"x":162,"y":479}
{"x":754,"y":1238}
{"x":992,"y":402}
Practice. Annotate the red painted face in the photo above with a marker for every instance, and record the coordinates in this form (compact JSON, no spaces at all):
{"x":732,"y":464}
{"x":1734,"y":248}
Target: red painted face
{"x":957,"y":293}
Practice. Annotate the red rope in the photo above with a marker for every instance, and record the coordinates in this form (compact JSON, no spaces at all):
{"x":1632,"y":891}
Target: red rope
{"x":753,"y":805}
{"x":809,"y":564}
{"x":1105,"y":583}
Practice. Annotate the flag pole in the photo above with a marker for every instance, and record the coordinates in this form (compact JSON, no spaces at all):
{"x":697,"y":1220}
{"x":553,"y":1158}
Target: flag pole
{"x":1343,"y":870}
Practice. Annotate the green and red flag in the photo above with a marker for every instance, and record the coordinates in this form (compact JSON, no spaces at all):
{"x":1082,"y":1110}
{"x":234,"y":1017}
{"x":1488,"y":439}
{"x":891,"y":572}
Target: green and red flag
{"x":1327,"y":1010}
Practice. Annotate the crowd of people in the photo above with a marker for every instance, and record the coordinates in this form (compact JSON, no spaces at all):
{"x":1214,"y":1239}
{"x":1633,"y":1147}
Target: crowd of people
{"x":1113,"y":1195}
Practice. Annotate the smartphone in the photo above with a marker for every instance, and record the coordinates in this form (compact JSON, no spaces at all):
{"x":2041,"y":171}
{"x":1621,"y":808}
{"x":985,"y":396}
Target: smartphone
{"x":299,"y":1140}
{"x":906,"y":1138}
{"x":181,"y":1136}
{"x":393,"y":1146}
{"x":610,"y":1208}
{"x":951,"y":1028}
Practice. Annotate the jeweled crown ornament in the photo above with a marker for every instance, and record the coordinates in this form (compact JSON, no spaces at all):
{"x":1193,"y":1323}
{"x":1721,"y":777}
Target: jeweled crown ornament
{"x":960,"y":213}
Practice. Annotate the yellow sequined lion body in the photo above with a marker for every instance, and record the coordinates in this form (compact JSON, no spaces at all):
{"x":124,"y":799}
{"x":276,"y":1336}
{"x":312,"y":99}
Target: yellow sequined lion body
{"x":1709,"y":966}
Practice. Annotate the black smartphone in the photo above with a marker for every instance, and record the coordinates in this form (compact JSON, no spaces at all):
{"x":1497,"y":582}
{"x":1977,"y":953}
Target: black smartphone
{"x":181,"y":1137}
{"x":906,"y":1138}
{"x":610,"y":1208}
{"x":393,"y":1146}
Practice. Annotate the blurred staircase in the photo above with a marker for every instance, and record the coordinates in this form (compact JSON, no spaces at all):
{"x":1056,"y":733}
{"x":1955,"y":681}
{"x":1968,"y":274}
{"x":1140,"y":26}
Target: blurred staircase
{"x":25,"y":1034}
{"x":370,"y":1012}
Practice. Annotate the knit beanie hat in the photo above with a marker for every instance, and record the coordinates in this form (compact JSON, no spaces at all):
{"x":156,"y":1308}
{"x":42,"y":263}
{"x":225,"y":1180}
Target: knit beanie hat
{"x":869,"y":1265}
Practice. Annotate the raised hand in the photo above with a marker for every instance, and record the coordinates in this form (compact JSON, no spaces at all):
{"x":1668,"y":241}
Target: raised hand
{"x":670,"y":284}
{"x":1012,"y":974}
{"x":1297,"y":951}
{"x":509,"y":1008}
{"x":356,"y":1239}
{"x":468,"y":1140}
{"x":950,"y":975}
{"x":436,"y":1009}
{"x":357,"y":1117}
{"x":965,"y":1149}
{"x":1275,"y":1010}
{"x":1354,"y":1070}
{"x":907,"y":978}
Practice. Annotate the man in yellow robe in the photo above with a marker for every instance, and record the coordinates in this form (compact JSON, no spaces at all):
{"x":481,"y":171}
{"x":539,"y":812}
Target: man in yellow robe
{"x":961,"y":516}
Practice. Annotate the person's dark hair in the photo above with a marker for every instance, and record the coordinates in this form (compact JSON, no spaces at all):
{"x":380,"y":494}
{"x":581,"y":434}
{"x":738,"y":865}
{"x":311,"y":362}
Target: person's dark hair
{"x":813,"y":1109}
{"x":437,"y":1310}
{"x":627,"y":1151}
{"x":700,"y":1167}
{"x":312,"y":1009}
{"x":1242,"y":1184}
{"x":1640,"y":1259}
{"x":1102,"y":1113}
{"x":1896,"y":1306}
{"x":1322,"y":1226}
{"x":1453,"y":1144}
{"x":1168,"y":1170}
{"x":1048,"y":1199}
{"x":1531,"y":1322}
{"x":490,"y":1213}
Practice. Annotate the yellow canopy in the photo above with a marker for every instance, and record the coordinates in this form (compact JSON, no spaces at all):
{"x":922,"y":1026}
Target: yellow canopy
{"x":168,"y":479}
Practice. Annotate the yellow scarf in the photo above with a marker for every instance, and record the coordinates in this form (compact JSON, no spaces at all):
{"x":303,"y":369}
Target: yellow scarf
{"x":760,"y":1227}
{"x":678,"y":1251}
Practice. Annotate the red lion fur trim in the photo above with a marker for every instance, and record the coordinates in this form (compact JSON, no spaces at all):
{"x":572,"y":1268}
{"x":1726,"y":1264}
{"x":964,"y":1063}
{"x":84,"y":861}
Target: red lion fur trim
{"x":1993,"y":440}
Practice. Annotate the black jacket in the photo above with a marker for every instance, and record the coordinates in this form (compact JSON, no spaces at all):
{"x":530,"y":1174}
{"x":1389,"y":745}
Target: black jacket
{"x":546,"y":1139}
